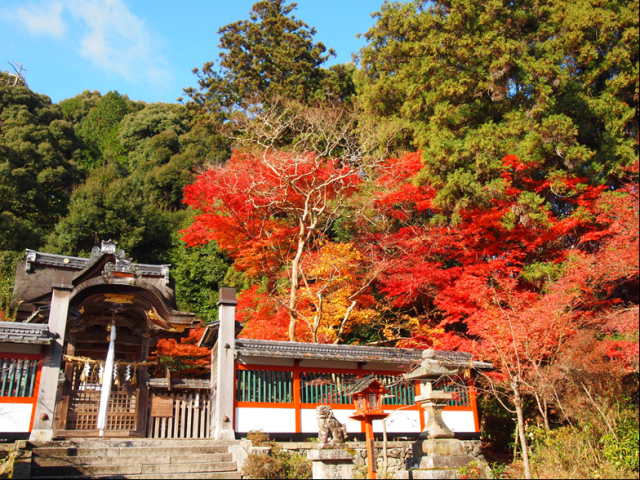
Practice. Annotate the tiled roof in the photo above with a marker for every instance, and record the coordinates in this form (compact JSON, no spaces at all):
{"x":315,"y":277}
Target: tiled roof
{"x":344,"y":353}
{"x":31,"y":333}
{"x":80,"y":263}
{"x":349,"y":353}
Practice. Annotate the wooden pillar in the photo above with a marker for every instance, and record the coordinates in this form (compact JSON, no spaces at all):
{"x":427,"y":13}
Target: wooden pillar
{"x":143,"y":396}
{"x":65,"y":395}
{"x":224,"y":408}
{"x":371,"y":450}
{"x":297,"y":396}
{"x":47,"y":392}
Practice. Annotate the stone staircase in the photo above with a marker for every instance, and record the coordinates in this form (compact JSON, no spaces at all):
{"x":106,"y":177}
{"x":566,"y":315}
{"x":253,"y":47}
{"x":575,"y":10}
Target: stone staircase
{"x":134,"y":458}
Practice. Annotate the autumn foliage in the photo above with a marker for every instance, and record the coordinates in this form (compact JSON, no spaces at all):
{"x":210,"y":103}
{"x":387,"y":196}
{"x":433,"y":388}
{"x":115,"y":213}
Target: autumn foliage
{"x":184,"y":358}
{"x":272,"y":213}
{"x":544,"y":267}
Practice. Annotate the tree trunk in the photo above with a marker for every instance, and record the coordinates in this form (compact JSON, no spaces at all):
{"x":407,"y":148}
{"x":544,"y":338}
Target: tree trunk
{"x":293,"y":294}
{"x":523,"y":439}
{"x":546,"y":414}
{"x":543,"y":409}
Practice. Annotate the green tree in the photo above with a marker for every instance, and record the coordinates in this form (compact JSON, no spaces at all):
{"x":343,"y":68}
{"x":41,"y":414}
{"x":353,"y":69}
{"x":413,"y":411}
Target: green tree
{"x":100,"y":130}
{"x":555,"y":83}
{"x":37,"y":167}
{"x":272,"y":55}
{"x":76,"y":109}
{"x":163,"y":151}
{"x":109,"y":206}
{"x":199,"y":272}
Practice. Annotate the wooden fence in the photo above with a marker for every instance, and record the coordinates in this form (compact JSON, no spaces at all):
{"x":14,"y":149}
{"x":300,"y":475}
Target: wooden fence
{"x":191,"y":416}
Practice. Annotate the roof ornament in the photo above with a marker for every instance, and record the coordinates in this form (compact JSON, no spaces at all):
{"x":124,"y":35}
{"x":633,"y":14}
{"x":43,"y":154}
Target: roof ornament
{"x":31,"y":257}
{"x":123,"y":267}
{"x":106,"y":246}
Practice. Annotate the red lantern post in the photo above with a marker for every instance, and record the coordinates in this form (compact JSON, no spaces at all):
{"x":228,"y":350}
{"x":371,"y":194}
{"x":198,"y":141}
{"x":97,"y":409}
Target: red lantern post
{"x":366,"y":394}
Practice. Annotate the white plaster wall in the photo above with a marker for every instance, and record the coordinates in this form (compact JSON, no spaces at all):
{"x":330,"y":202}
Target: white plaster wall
{"x":309,"y":422}
{"x":15,"y":417}
{"x":270,"y":420}
{"x":400,"y":421}
{"x":457,"y":421}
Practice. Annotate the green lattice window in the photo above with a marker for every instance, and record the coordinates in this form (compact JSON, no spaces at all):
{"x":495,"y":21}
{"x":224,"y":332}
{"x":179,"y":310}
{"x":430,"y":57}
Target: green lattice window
{"x":325,"y":388}
{"x":460,"y":390}
{"x":401,"y":391}
{"x":264,"y":386}
{"x":17,"y":377}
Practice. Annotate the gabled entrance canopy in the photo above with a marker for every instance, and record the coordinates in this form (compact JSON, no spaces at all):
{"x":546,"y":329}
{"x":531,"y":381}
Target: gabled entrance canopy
{"x":106,"y":279}
{"x":82,"y":300}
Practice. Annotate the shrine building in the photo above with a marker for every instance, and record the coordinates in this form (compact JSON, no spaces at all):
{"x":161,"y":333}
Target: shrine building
{"x":76,"y":363}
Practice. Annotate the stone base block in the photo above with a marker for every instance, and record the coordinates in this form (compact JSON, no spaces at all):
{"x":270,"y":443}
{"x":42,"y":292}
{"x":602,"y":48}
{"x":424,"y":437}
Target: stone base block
{"x":41,"y":435}
{"x":441,"y":458}
{"x":438,"y":462}
{"x":331,"y":463}
{"x":427,"y":474}
{"x":440,"y":447}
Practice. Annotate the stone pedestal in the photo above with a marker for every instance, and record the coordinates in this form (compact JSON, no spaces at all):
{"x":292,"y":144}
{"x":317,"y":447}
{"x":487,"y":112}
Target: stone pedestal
{"x":433,"y":402}
{"x":441,"y":458}
{"x":331,"y":463}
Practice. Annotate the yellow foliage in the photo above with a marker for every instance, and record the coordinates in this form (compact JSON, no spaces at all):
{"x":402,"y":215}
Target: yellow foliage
{"x":334,"y":278}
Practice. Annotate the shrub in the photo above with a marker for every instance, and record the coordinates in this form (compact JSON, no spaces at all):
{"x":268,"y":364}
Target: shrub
{"x":472,"y":470}
{"x":6,"y":463}
{"x":621,"y":450}
{"x":260,"y":439}
{"x":277,"y":463}
{"x":568,"y":452}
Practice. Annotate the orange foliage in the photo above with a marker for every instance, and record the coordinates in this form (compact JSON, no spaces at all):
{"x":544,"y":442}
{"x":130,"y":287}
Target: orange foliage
{"x":186,"y":357}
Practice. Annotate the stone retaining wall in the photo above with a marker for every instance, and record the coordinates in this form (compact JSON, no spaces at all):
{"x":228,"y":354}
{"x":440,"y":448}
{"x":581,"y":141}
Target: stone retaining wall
{"x":397,"y":453}
{"x":355,"y":453}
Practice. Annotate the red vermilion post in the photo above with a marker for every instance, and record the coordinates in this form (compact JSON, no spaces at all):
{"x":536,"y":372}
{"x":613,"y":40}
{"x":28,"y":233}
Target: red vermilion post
{"x":371,"y":450}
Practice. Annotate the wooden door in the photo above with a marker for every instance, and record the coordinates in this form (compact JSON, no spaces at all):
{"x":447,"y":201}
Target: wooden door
{"x":84,"y":403}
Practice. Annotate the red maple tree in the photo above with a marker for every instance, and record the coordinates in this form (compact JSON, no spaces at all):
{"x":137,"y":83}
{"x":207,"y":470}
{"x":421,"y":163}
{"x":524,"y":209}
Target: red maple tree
{"x":268,"y":212}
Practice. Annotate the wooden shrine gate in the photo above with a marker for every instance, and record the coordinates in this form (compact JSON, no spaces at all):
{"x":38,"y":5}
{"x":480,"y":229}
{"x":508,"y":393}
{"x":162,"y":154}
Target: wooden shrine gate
{"x":81,"y":404}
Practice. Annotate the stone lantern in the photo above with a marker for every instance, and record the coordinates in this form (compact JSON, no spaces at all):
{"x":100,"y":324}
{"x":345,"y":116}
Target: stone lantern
{"x":439,"y":454}
{"x":433,"y":401}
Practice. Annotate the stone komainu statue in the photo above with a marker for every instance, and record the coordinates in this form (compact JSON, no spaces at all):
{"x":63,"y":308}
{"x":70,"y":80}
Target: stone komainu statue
{"x":329,"y":425}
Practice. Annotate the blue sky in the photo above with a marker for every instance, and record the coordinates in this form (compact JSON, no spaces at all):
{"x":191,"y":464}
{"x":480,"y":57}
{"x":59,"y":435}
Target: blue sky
{"x":145,"y":48}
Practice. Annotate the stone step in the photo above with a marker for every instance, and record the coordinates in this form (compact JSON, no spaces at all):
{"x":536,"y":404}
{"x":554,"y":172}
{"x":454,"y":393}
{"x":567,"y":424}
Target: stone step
{"x":63,"y":461}
{"x":137,"y":442}
{"x":170,"y":476}
{"x":119,"y":470}
{"x":129,"y":451}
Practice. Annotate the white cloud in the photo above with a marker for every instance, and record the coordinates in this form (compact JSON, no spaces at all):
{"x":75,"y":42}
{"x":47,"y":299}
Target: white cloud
{"x":112,"y":38}
{"x":118,"y":41}
{"x":46,"y":20}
